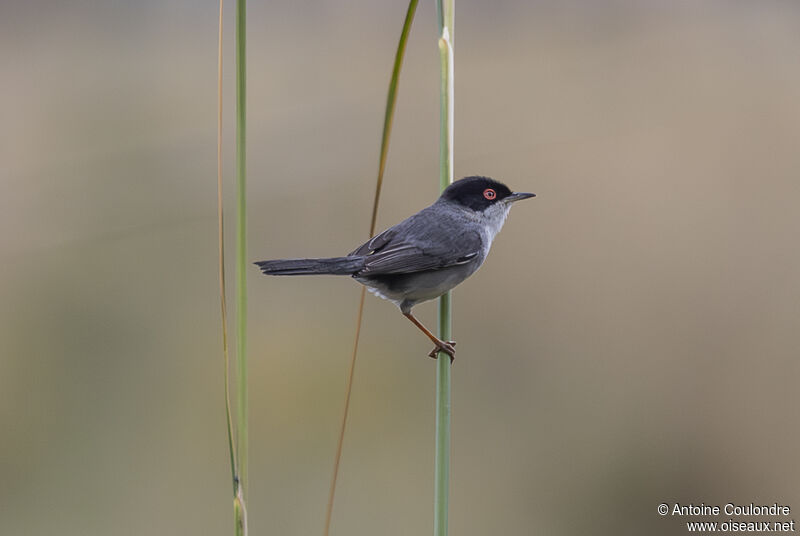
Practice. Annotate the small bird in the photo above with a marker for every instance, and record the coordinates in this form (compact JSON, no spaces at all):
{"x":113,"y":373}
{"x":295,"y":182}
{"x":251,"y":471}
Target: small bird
{"x":427,"y":254}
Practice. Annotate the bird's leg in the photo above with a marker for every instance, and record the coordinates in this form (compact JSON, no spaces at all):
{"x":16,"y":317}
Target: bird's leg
{"x":446,"y":347}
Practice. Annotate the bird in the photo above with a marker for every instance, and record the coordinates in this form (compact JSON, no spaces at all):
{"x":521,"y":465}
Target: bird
{"x":425,"y":255}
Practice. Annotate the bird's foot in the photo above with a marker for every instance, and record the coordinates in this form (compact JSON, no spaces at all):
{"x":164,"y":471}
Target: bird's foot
{"x":446,"y":347}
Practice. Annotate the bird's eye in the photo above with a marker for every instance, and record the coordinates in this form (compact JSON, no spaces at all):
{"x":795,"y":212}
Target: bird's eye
{"x":489,"y":194}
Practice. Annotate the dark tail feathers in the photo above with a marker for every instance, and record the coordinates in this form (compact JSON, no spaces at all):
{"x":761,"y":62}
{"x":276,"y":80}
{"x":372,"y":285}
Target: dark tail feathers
{"x":333,"y":266}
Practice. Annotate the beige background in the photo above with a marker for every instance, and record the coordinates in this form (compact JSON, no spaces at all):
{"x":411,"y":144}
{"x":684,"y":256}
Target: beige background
{"x":632,"y":339}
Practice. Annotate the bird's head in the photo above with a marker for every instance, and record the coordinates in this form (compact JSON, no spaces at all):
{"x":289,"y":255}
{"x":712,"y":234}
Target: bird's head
{"x":483,"y":200}
{"x":482,"y":193}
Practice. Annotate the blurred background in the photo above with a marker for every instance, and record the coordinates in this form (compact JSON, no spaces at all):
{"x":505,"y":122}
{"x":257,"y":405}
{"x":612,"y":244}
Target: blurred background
{"x":632,"y":339}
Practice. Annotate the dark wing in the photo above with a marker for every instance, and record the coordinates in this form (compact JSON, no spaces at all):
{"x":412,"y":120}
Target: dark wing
{"x":422,"y":242}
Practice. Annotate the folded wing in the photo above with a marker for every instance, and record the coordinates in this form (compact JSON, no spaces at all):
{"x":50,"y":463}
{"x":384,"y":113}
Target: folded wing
{"x":435,"y":245}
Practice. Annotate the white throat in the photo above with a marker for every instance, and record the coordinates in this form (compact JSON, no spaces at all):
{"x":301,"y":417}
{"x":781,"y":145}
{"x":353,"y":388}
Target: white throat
{"x":494,"y":217}
{"x":491,"y":221}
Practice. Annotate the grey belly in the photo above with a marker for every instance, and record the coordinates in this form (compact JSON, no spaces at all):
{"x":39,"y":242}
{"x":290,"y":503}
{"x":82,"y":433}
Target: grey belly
{"x":406,"y":290}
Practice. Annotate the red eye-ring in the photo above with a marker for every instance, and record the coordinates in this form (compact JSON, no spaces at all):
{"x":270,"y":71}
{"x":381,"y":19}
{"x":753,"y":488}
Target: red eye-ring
{"x":489,"y":194}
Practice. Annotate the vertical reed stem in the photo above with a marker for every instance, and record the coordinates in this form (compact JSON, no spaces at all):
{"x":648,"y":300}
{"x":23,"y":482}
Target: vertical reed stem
{"x":239,"y":509}
{"x":241,"y":240}
{"x":445,"y":12}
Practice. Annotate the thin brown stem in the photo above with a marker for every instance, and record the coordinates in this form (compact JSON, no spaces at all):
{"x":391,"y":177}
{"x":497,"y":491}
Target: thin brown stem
{"x":348,"y":390}
{"x":391,"y":99}
{"x":221,"y":228}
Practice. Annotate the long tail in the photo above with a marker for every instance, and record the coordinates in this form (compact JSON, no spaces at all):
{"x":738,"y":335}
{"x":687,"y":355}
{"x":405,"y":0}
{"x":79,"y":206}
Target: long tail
{"x":332,"y":266}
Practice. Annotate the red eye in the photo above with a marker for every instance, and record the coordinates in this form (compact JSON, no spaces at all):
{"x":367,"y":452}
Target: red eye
{"x":489,"y":194}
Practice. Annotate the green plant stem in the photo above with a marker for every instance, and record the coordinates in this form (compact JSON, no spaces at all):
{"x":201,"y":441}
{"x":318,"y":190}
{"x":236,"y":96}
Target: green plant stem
{"x":239,"y":510}
{"x":388,"y":120}
{"x":241,"y":239}
{"x":445,"y":12}
{"x":391,"y":100}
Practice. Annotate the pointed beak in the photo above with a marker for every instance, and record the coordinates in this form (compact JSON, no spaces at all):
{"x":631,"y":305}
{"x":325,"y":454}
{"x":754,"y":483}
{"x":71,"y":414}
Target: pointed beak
{"x":518,"y":196}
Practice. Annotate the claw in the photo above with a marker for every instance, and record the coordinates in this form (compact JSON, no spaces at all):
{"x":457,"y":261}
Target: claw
{"x":446,"y":347}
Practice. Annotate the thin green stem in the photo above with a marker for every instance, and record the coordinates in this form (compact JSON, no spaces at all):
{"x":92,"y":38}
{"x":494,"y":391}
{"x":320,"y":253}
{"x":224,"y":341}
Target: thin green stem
{"x":445,"y":12}
{"x":241,"y":238}
{"x":391,"y":100}
{"x":388,"y":120}
{"x":239,"y":510}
